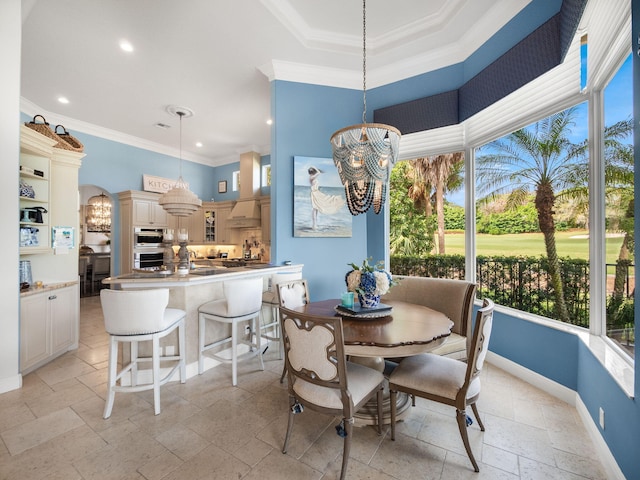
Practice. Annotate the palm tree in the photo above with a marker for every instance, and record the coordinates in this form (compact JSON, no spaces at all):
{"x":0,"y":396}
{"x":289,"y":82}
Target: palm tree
{"x":411,"y":233}
{"x":439,"y":172}
{"x":619,"y":193}
{"x":542,"y":159}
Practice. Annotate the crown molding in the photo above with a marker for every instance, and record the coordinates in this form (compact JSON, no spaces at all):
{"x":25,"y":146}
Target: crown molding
{"x":29,"y":108}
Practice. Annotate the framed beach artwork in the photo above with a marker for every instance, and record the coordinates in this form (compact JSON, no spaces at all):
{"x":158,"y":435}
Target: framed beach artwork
{"x":319,"y":202}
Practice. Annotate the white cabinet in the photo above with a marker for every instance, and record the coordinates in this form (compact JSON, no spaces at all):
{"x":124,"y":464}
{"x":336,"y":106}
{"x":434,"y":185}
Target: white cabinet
{"x":148,"y":213}
{"x":224,"y":235}
{"x":48,"y":326}
{"x":194,"y":224}
{"x":215,"y":223}
{"x":35,"y":169}
{"x":139,"y":209}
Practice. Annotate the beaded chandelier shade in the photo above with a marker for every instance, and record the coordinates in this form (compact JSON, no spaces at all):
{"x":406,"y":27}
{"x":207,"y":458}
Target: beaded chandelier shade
{"x":98,"y":214}
{"x":364,"y":154}
{"x":180,"y":201}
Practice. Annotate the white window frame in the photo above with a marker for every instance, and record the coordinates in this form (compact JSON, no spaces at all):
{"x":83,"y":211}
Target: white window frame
{"x":609,"y":28}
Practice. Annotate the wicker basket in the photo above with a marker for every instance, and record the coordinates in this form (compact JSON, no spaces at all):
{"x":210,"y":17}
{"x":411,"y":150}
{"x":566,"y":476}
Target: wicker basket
{"x":46,"y":130}
{"x":72,"y":142}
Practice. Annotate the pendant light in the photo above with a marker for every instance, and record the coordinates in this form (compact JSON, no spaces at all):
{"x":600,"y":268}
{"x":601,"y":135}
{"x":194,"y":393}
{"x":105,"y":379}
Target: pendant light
{"x":364,"y":154}
{"x":180,"y":201}
{"x":98,"y":214}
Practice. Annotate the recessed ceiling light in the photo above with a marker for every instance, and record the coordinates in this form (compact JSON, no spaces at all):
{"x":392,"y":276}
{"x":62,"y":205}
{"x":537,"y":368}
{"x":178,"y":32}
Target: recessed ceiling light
{"x":63,"y":100}
{"x":126,"y":46}
{"x":164,"y":126}
{"x":198,"y":144}
{"x":269,"y":121}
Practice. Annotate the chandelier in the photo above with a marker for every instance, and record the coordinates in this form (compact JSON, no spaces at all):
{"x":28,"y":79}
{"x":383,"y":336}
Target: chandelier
{"x":180,"y":201}
{"x":364,"y":154}
{"x":98,"y":214}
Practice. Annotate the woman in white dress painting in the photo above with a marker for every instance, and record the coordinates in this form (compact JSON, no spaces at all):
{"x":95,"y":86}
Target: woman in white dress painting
{"x":321,"y":202}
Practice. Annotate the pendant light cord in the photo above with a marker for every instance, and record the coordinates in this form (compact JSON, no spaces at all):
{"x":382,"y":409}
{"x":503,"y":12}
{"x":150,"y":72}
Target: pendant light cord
{"x":180,"y":114}
{"x":364,"y":60}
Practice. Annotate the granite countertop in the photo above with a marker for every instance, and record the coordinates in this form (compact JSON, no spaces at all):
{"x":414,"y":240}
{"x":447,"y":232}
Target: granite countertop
{"x":33,"y":290}
{"x":195,"y":276}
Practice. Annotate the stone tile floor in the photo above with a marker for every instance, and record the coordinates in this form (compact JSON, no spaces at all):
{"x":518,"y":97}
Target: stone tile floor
{"x":52,"y":428}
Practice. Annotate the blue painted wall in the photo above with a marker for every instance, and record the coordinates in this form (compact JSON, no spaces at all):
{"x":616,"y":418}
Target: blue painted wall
{"x":305,"y":117}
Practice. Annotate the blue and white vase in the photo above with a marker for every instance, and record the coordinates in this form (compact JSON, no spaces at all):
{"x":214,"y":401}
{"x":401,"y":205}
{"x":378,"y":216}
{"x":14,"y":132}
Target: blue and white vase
{"x":368,"y":300}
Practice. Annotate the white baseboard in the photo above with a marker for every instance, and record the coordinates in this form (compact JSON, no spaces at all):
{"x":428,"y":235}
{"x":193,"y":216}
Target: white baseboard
{"x":609,"y":463}
{"x":10,"y":383}
{"x":612,"y":470}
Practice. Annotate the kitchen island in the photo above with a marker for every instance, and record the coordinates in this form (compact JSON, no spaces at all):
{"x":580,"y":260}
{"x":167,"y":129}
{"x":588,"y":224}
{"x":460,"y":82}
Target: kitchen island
{"x":188,"y":292}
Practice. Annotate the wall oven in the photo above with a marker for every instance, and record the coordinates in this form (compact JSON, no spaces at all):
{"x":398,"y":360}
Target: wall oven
{"x":147,"y":258}
{"x":147,"y":237}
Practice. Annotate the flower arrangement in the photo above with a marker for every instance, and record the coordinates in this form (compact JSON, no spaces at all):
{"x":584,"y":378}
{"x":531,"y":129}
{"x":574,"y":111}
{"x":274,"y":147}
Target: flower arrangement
{"x":369,"y":282}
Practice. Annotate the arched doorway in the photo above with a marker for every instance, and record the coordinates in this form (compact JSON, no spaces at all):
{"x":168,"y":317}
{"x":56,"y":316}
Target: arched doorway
{"x":95,"y":238}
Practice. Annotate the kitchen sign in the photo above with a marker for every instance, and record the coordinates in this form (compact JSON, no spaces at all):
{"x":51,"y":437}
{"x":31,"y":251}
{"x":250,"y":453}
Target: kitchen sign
{"x":158,"y":184}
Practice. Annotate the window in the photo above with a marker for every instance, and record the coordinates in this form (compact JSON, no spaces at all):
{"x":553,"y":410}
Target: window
{"x":428,"y":220}
{"x":618,"y":208}
{"x":235,"y":181}
{"x":598,"y":230}
{"x":532,"y":228}
{"x":266,"y":176}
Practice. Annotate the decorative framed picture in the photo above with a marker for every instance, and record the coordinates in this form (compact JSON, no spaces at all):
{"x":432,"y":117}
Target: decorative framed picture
{"x":222,"y":186}
{"x":62,"y":237}
{"x":319,"y":202}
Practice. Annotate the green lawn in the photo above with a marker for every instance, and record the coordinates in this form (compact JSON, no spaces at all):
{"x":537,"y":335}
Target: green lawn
{"x":574,"y":244}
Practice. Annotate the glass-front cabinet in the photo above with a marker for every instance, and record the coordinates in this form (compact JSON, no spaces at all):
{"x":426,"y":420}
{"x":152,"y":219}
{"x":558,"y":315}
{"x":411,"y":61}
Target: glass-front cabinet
{"x":209,"y":224}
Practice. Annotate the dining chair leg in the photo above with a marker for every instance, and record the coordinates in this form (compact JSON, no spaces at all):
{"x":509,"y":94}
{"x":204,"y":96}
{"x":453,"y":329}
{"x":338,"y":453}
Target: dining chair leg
{"x":379,"y":399}
{"x":392,"y":402}
{"x":289,"y":425}
{"x":477,"y":415}
{"x":284,"y":372}
{"x":348,"y":428}
{"x":461,"y":417}
{"x":156,"y":374}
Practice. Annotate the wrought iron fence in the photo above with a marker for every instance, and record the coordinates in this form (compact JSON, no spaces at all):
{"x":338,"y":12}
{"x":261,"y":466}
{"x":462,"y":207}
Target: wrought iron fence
{"x":518,"y":282}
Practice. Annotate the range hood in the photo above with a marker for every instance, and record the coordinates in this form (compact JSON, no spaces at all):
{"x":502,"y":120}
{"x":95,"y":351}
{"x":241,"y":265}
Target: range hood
{"x":246,"y":211}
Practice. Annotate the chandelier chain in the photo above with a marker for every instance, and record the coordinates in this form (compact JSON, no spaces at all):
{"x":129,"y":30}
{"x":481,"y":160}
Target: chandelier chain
{"x":364,"y":60}
{"x":180,"y":114}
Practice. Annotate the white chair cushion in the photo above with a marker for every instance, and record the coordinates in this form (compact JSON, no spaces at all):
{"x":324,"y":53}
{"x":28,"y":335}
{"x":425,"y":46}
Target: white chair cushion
{"x":293,"y":297}
{"x":434,"y":374}
{"x":137,"y":312}
{"x":242,"y":297}
{"x":215,"y":307}
{"x":361,"y":381}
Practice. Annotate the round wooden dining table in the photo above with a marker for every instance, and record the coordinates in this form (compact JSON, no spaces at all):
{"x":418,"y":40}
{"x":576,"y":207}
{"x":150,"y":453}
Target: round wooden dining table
{"x":404,"y":330}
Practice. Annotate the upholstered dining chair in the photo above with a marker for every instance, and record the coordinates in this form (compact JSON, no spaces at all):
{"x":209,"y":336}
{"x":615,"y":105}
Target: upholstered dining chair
{"x":269,"y":319}
{"x":320,"y":378}
{"x":135,"y":316}
{"x":446,"y":380}
{"x":452,"y":297}
{"x":291,"y":294}
{"x":242,"y":302}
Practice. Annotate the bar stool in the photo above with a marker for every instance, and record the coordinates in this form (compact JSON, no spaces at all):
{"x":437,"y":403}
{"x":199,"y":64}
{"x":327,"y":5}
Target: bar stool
{"x":270,"y":325}
{"x":135,"y":316}
{"x":242,"y":301}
